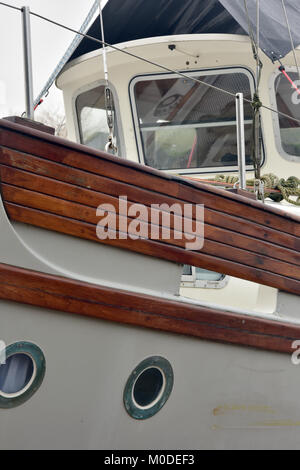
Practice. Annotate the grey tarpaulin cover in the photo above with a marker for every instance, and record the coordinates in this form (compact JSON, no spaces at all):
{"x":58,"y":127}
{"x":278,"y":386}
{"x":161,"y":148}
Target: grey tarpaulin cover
{"x":274,"y":34}
{"x":126,"y":20}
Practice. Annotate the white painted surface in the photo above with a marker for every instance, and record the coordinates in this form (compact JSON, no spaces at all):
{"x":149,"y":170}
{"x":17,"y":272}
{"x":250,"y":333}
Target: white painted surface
{"x":224,"y":397}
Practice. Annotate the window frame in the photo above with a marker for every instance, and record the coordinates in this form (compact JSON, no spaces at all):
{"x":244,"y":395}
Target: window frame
{"x":192,"y":282}
{"x":91,"y":86}
{"x":209,"y":71}
{"x":275,"y":117}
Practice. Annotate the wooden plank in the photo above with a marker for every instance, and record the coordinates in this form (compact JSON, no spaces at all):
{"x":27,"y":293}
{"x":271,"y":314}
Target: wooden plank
{"x":225,"y":246}
{"x":89,"y":175}
{"x":152,"y":248}
{"x":80,"y":298}
{"x":84,"y":180}
{"x":62,"y":152}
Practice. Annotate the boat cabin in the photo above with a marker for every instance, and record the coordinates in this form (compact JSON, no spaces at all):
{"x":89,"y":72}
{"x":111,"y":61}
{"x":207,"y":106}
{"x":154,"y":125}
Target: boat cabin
{"x":171,"y":123}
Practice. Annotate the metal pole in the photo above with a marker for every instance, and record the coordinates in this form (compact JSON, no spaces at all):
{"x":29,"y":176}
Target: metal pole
{"x":103,"y":45}
{"x":240,"y":126}
{"x":27,"y":62}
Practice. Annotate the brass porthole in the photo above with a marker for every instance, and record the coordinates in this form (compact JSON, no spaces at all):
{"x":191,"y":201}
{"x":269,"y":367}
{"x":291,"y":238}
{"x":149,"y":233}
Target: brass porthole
{"x":148,"y":387}
{"x":21,"y":374}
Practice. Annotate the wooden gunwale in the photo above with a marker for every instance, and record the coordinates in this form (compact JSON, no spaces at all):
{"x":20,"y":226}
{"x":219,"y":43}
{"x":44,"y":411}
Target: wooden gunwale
{"x":77,"y":297}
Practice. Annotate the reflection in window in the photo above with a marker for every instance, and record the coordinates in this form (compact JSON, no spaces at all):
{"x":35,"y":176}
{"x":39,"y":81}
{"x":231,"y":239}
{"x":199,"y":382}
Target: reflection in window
{"x":205,"y":275}
{"x":288,"y":102}
{"x":92,"y":120}
{"x":16,"y":373}
{"x":199,"y":277}
{"x":187,"y":270}
{"x":185,"y":125}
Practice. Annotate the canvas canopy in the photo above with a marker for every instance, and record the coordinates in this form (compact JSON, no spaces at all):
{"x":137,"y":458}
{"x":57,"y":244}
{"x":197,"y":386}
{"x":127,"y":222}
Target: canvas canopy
{"x":274,"y":36}
{"x":126,"y":20}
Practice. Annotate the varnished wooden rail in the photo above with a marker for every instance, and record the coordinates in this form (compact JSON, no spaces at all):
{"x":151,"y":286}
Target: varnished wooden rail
{"x":80,"y":298}
{"x":57,"y":185}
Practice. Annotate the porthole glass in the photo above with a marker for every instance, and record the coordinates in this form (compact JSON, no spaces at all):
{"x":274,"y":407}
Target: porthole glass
{"x":21,"y":374}
{"x":16,"y":373}
{"x":148,"y":387}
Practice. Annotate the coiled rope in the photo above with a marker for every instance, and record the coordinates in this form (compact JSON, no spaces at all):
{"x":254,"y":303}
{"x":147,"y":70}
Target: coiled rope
{"x":287,"y":188}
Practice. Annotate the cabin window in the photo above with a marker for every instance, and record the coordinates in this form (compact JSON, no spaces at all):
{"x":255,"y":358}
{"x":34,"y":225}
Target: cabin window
{"x":92,"y":119}
{"x":288,"y":102}
{"x":185,"y":126}
{"x":202,"y":278}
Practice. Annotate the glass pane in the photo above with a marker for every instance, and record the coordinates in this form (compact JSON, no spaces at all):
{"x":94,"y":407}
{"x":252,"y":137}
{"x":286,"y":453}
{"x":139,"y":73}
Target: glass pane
{"x":148,"y":386}
{"x":92,"y":120}
{"x":187,"y":270}
{"x":205,"y":275}
{"x":288,"y":102}
{"x":16,"y":373}
{"x":170,"y":148}
{"x":187,"y":125}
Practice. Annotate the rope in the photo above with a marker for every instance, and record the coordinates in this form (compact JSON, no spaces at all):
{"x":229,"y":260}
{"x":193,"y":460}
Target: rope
{"x":287,"y":188}
{"x":290,"y":187}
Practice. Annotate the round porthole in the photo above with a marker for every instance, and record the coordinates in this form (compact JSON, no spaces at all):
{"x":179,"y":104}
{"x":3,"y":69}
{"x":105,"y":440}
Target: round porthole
{"x":148,"y":387}
{"x":22,"y":373}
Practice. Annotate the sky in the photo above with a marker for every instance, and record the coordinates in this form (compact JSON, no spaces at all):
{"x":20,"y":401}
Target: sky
{"x":49,"y":44}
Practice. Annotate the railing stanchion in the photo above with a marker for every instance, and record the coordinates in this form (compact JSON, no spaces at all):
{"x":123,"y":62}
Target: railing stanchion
{"x":241,"y":150}
{"x":27,"y":62}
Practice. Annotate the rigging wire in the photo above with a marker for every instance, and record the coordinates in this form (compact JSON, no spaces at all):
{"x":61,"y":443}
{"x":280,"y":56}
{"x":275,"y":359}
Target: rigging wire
{"x":76,"y":41}
{"x":111,"y":146}
{"x":10,"y":6}
{"x":291,"y":37}
{"x":163,"y":67}
{"x":256,"y":103}
{"x":257,"y":158}
{"x":258,"y":24}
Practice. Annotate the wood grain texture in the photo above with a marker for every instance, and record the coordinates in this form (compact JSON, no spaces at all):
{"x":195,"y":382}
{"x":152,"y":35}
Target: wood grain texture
{"x":70,"y":154}
{"x":75,"y":297}
{"x":96,"y":190}
{"x":224,"y":239}
{"x":53,"y":184}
